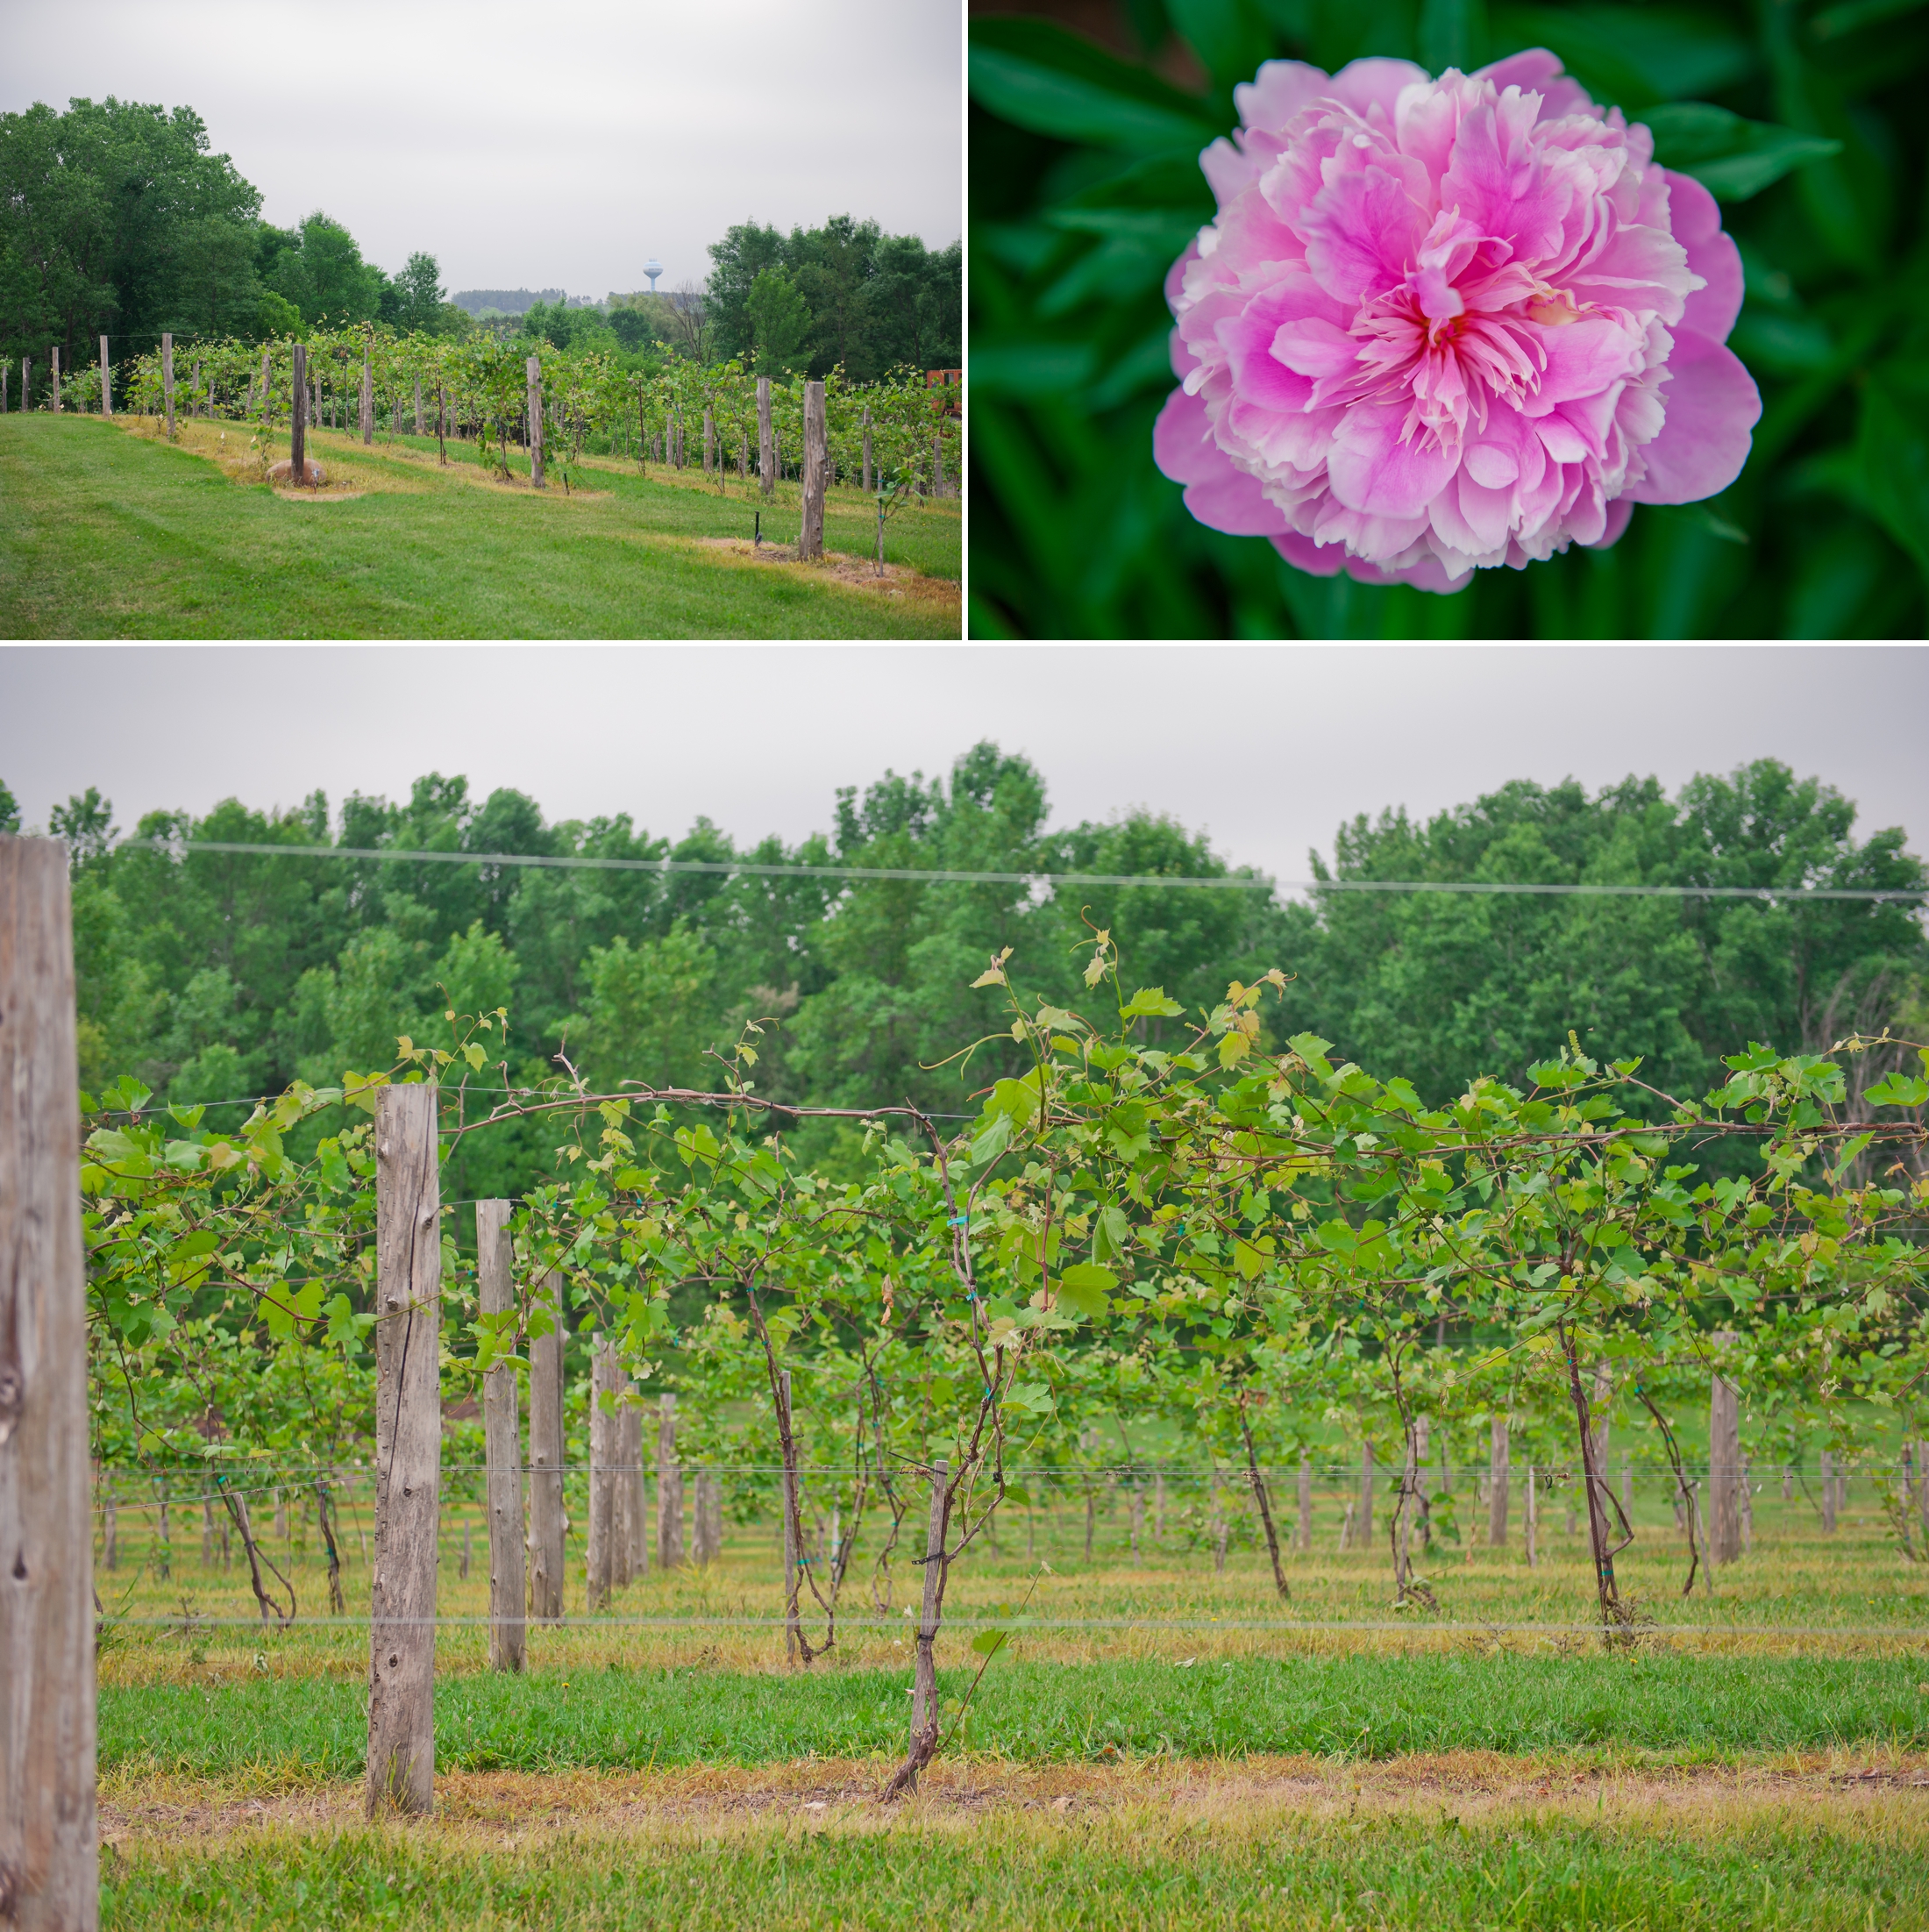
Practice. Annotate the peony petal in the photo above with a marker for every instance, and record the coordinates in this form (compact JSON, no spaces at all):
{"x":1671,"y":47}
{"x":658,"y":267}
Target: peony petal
{"x":1280,"y":90}
{"x":1536,"y":71}
{"x":1313,"y":347}
{"x":1364,"y":85}
{"x":1304,"y":554}
{"x":1712,"y":407}
{"x":1617,"y":514}
{"x":1182,"y":440}
{"x":1375,"y":470}
{"x":1696,"y":220}
{"x":1487,"y":463}
{"x":1362,"y":230}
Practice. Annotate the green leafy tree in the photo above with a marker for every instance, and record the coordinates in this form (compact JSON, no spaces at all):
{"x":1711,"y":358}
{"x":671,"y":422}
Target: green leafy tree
{"x":779,"y":320}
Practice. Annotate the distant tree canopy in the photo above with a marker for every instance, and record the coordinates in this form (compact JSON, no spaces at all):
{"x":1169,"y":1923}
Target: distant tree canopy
{"x":871,"y":301}
{"x":214,"y":976}
{"x":115,"y":218}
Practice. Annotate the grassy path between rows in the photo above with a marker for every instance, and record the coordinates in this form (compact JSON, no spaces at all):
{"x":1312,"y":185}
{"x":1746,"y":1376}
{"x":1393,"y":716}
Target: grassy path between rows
{"x":1678,"y":1710}
{"x":1455,"y":1843}
{"x":106,"y":531}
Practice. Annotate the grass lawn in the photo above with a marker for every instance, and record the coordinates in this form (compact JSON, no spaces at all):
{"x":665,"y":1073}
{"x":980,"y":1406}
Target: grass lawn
{"x":1425,"y":1844}
{"x":1167,"y":1746}
{"x":106,"y":531}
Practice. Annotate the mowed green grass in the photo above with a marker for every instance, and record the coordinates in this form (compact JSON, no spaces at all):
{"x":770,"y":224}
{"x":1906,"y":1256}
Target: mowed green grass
{"x":1144,"y":1868}
{"x":105,"y":533}
{"x":1681,"y":1709}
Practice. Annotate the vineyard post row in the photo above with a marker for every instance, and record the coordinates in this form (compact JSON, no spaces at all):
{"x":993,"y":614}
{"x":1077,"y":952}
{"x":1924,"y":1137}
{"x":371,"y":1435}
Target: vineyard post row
{"x":49,"y":1863}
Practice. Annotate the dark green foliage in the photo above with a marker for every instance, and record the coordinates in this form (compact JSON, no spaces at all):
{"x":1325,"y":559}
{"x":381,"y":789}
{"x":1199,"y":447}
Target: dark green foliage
{"x":115,"y":218}
{"x":871,"y":301}
{"x":1085,"y":187}
{"x":216,"y":975}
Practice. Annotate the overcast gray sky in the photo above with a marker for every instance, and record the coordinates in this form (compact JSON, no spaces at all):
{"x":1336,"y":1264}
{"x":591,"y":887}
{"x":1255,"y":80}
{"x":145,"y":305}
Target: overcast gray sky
{"x":1268,"y":748}
{"x":537,"y":147}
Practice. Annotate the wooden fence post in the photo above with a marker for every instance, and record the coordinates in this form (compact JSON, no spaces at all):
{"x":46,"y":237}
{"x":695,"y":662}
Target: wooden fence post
{"x":1363,"y":1523}
{"x":1533,"y":1518}
{"x":297,"y":432}
{"x":709,"y":1514}
{"x":743,"y":455}
{"x":602,"y":1470}
{"x":810,"y":534}
{"x":868,"y":449}
{"x":1828,"y":1494}
{"x":1303,"y":1536}
{"x":54,"y":359}
{"x":669,"y":1489}
{"x":6,"y":370}
{"x":168,"y":381}
{"x":420,"y":429}
{"x":107,"y":382}
{"x":533,"y":371}
{"x":1724,"y":1463}
{"x":545,"y":1459}
{"x":26,"y":382}
{"x":632,"y":1540}
{"x":709,"y":443}
{"x":367,"y":397}
{"x":504,"y":1437}
{"x":49,"y":1863}
{"x":402,"y":1735}
{"x":765,"y":457}
{"x":1496,"y":1484}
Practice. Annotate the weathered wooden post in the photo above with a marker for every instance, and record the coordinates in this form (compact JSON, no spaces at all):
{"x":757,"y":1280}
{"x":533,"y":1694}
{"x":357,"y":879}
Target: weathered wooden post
{"x":765,"y":447}
{"x":297,"y":432}
{"x":810,"y":533}
{"x":1363,"y":1523}
{"x":496,"y":1270}
{"x":107,"y":382}
{"x":1828,"y":1494}
{"x":401,"y":1737}
{"x":1533,"y":1518}
{"x":631,"y":1557}
{"x":6,"y":370}
{"x":49,"y":1863}
{"x":709,"y":1514}
{"x":26,"y":382}
{"x":669,"y":1488}
{"x":709,"y":443}
{"x":546,"y":1458}
{"x":1303,"y":1536}
{"x":925,"y":1677}
{"x":1724,"y":1463}
{"x":602,"y":1470}
{"x":367,"y":397}
{"x":533,"y":371}
{"x":868,"y":449}
{"x":168,"y":381}
{"x":743,"y":455}
{"x":420,"y":429}
{"x":54,"y":362}
{"x":1496,"y":1484}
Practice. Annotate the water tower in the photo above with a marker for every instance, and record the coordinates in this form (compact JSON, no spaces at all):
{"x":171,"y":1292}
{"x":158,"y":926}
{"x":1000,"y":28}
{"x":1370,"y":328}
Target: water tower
{"x":652,"y":268}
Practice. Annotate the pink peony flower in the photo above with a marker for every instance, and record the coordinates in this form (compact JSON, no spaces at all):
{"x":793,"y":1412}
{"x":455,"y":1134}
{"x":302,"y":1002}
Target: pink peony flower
{"x":1441,"y":325}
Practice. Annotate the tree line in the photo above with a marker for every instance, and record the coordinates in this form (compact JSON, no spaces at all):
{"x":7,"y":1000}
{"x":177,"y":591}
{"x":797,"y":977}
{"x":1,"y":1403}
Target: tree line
{"x":118,"y":218}
{"x":215,"y":976}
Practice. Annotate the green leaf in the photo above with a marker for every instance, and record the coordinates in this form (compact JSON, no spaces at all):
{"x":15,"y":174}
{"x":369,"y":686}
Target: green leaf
{"x":1731,"y":157}
{"x":1231,"y":37}
{"x":1083,"y":1287}
{"x":1632,"y":55}
{"x":1899,"y":1090}
{"x":993,"y":1140}
{"x":1017,"y":1099}
{"x":1037,"y":75}
{"x":990,"y":1643}
{"x":1893,"y":452}
{"x":1030,"y":369}
{"x":1453,"y":33}
{"x":1150,"y":1002}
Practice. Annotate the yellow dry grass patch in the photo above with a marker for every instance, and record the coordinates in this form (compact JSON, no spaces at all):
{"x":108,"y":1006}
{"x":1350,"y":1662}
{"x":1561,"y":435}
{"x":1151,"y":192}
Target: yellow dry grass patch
{"x":1245,"y":1799}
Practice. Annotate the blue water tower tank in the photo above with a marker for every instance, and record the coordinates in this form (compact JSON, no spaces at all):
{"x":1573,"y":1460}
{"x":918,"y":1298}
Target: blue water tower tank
{"x":652,"y":268}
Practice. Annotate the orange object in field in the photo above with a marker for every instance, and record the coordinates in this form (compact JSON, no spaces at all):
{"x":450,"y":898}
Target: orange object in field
{"x":945,"y":379}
